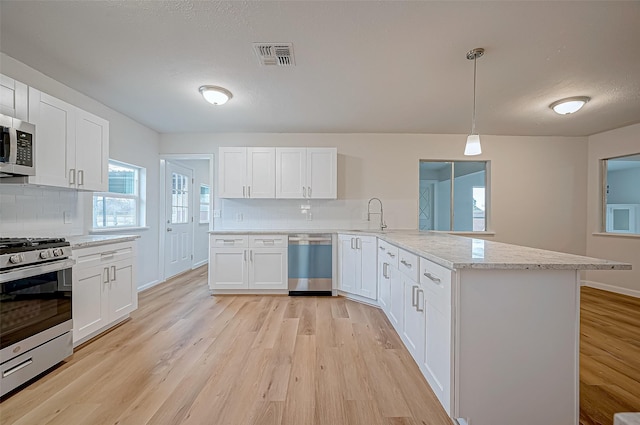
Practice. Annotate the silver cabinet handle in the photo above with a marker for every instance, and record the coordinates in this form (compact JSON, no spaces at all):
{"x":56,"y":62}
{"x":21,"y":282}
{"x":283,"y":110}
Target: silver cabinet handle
{"x":381,"y":247}
{"x":352,"y":240}
{"x":304,"y":192}
{"x":106,"y":273}
{"x":108,"y":253}
{"x":80,"y":177}
{"x":413,"y":297}
{"x":358,"y":243}
{"x":248,"y":191}
{"x":72,"y":176}
{"x":391,"y":255}
{"x":228,"y":241}
{"x":418,"y":304}
{"x":251,"y":255}
{"x":244,"y":191}
{"x":436,"y":279}
{"x":169,"y":229}
{"x":408,"y":265}
{"x":245,"y":255}
{"x":113,"y":270}
{"x":309,"y":191}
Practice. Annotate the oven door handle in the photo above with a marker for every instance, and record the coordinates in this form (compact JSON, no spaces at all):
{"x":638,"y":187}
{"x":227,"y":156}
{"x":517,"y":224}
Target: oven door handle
{"x":35,"y":270}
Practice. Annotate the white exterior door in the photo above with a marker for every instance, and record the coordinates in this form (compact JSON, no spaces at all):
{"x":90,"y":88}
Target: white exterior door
{"x":178,"y":243}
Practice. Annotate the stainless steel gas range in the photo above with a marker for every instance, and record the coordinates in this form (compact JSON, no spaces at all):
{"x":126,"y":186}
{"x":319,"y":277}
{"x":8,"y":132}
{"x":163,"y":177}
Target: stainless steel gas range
{"x":35,"y":308}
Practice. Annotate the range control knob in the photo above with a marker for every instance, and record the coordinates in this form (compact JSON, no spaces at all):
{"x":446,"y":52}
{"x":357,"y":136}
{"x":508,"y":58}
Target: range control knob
{"x":57,"y":252}
{"x":15,"y":259}
{"x":45,"y":254}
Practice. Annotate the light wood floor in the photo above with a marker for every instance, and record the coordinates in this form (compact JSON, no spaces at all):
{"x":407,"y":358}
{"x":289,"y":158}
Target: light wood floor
{"x":186,"y":357}
{"x":609,"y":356}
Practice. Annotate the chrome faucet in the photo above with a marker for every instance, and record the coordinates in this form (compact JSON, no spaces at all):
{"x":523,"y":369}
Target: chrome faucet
{"x":382,"y":223}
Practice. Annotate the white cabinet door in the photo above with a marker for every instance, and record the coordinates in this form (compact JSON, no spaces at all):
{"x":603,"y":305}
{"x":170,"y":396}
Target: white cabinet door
{"x":123,"y":297}
{"x":397,"y":299}
{"x":92,"y":152}
{"x":349,"y":264}
{"x":268,"y":268}
{"x":90,"y":301}
{"x":384,"y":286}
{"x":55,"y":140}
{"x":367,"y":281}
{"x":261,"y":177}
{"x":413,"y":328}
{"x":291,"y":173}
{"x":321,"y":179}
{"x":13,"y":98}
{"x":436,"y":365}
{"x":232,"y":172}
{"x":228,"y":268}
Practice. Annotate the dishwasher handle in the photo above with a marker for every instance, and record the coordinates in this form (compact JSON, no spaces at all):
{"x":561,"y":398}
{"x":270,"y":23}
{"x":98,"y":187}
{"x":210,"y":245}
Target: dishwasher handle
{"x":311,"y":239}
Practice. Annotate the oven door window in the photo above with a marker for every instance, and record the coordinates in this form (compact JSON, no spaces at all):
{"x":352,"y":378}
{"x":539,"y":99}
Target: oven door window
{"x":34,"y":304}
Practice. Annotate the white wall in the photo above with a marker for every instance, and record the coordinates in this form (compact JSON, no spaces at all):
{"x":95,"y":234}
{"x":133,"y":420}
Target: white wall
{"x":537,"y":183}
{"x":622,"y":141}
{"x":129,"y":142}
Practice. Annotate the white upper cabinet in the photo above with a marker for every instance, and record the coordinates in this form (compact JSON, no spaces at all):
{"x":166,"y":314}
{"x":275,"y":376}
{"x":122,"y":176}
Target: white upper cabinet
{"x":72,"y":145}
{"x":246,"y":172}
{"x":309,"y":173}
{"x":14,"y":98}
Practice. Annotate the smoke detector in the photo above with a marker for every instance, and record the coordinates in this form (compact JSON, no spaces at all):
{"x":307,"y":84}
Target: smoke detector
{"x":278,"y":54}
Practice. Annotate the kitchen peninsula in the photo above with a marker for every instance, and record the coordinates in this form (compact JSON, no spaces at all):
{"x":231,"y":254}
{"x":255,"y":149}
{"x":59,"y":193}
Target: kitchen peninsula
{"x":493,"y":327}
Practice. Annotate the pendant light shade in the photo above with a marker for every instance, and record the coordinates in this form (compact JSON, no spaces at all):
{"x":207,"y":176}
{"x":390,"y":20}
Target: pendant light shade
{"x":473,"y":140}
{"x":473,"y":145}
{"x":215,"y":95}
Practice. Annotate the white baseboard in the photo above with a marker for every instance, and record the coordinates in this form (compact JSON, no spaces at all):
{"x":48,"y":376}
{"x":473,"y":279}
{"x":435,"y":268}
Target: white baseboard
{"x":198,"y":264}
{"x":611,"y":288}
{"x":149,"y":285}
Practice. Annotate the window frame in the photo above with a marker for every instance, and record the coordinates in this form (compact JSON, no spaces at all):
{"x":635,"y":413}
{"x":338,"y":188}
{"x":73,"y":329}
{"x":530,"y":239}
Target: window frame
{"x":604,"y":191}
{"x":201,"y":204}
{"x":487,"y":179}
{"x":138,"y":197}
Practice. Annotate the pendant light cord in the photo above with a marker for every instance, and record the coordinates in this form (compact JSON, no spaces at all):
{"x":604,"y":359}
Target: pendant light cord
{"x":473,"y":118}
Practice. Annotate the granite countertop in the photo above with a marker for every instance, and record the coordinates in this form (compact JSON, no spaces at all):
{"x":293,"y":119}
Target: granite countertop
{"x":458,"y":252}
{"x":626,"y":419}
{"x":87,"y":241}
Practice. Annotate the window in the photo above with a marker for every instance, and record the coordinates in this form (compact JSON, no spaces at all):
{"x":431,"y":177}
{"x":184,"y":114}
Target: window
{"x":205,"y":198}
{"x":453,"y":196}
{"x":179,"y":198}
{"x":621,"y":194}
{"x":122,"y":206}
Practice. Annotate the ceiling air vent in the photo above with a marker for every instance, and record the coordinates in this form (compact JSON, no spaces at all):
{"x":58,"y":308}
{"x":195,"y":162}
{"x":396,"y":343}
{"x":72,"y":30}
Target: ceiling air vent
{"x":279,"y":54}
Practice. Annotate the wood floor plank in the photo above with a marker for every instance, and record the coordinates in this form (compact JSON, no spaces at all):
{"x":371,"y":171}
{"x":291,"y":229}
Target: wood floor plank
{"x":300,"y":404}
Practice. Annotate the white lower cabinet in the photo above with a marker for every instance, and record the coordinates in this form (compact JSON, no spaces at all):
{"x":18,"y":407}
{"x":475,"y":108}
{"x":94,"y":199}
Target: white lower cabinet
{"x":243,"y":263}
{"x":358,"y":265}
{"x":413,"y":314}
{"x":104,"y":288}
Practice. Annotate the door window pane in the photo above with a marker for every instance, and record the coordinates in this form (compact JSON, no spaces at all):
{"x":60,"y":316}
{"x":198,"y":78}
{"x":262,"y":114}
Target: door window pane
{"x":179,"y":199}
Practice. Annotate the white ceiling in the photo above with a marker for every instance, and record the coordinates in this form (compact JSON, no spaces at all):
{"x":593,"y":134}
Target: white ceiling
{"x":361,"y":66}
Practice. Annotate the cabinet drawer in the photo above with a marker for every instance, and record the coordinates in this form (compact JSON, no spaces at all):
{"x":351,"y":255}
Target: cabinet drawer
{"x":388,"y":253}
{"x":408,"y":264}
{"x":437,"y":281}
{"x":238,"y":241}
{"x":95,"y":256}
{"x":268,"y":241}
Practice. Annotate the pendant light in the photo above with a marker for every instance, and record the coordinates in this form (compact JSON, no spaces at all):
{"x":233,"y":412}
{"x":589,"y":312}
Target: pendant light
{"x":473,"y":140}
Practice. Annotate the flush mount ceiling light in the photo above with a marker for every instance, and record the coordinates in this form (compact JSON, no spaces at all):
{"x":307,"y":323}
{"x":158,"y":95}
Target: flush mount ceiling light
{"x":216,"y":95}
{"x":569,"y":105}
{"x":473,"y":140}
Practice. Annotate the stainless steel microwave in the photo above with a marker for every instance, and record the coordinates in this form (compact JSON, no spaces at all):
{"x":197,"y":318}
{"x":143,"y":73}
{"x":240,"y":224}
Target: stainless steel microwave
{"x":17,"y":147}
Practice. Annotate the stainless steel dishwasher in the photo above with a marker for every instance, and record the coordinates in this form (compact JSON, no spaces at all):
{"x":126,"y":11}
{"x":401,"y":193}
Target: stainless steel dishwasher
{"x":310,"y":264}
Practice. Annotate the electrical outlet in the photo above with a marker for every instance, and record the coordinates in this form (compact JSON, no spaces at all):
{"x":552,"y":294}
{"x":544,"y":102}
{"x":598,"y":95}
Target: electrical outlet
{"x":66,"y":217}
{"x":216,"y":213}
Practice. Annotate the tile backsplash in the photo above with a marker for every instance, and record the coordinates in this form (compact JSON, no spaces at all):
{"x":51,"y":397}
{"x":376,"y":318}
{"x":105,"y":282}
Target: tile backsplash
{"x":38,"y":211}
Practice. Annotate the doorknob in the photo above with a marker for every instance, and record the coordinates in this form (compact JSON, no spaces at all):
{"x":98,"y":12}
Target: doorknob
{"x":169,"y":229}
